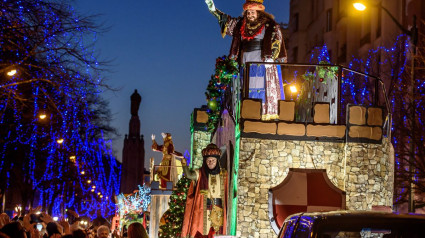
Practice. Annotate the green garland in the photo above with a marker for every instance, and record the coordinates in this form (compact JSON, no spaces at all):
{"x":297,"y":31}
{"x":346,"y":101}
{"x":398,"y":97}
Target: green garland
{"x":225,"y":70}
{"x":173,"y":217}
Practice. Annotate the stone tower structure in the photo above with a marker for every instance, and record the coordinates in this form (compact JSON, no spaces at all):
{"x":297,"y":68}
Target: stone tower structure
{"x":133,"y":154}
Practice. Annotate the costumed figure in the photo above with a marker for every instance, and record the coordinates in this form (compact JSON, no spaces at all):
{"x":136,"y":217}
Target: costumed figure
{"x":206,"y":204}
{"x":167,"y":149}
{"x":257,"y":37}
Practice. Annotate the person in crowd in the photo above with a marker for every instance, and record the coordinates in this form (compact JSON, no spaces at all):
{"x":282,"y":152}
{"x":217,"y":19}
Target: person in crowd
{"x":2,"y":235}
{"x":211,"y":187}
{"x":14,"y":229}
{"x":136,"y":230}
{"x":79,"y":233}
{"x":54,"y":230}
{"x":4,"y":219}
{"x":103,"y":232}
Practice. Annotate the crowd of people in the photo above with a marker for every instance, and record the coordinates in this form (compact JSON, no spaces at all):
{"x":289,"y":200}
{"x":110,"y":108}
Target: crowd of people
{"x":36,"y":224}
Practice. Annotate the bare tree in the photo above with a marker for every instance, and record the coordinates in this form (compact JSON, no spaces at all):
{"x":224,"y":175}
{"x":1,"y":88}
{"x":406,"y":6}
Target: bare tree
{"x":48,"y":65}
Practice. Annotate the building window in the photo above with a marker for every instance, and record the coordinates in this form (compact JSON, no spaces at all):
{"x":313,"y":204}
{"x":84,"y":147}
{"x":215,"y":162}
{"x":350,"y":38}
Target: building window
{"x":329,"y":20}
{"x":295,"y":54}
{"x":296,"y":22}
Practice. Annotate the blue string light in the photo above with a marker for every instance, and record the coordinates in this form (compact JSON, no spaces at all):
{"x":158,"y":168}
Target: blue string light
{"x":71,"y":121}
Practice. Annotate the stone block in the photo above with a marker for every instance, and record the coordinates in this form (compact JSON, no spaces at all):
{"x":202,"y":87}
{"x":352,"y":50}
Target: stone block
{"x":326,"y":130}
{"x":259,"y":127}
{"x":286,"y":110}
{"x":375,"y":116}
{"x":321,"y":113}
{"x":201,"y":116}
{"x":374,"y":133}
{"x":251,"y":109}
{"x":357,"y":115}
{"x":291,"y":129}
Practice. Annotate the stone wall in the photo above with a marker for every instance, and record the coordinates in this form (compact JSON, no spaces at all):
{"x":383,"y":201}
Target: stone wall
{"x":200,"y":140}
{"x":364,"y":171}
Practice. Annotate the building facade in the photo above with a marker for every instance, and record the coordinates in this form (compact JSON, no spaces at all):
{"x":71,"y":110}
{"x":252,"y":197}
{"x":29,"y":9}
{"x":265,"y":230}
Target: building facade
{"x":347,"y":32}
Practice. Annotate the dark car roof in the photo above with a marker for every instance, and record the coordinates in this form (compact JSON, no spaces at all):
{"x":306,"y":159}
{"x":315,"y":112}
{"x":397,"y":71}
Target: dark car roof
{"x":360,"y":219}
{"x":342,"y":214}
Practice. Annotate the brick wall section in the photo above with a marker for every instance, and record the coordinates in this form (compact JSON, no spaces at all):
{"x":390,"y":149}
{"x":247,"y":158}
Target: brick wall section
{"x":265,"y":163}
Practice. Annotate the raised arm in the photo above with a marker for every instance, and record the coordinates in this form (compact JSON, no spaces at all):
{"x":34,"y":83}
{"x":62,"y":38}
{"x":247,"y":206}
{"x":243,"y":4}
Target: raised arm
{"x":226,"y":22}
{"x":190,"y":174}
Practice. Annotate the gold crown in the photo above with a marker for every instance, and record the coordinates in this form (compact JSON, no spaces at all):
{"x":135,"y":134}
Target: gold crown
{"x":211,"y":151}
{"x":257,"y":1}
{"x":254,"y":5}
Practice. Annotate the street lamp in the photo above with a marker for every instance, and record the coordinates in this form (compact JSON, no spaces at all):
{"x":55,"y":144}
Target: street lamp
{"x":359,"y":6}
{"x":413,"y":34}
{"x":293,"y":88}
{"x":11,"y":72}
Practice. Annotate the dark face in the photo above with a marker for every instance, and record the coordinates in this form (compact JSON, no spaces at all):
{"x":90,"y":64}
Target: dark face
{"x":211,"y":162}
{"x":251,"y":15}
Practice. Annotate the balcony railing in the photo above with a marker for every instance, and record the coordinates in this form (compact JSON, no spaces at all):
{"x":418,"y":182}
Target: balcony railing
{"x":333,"y":84}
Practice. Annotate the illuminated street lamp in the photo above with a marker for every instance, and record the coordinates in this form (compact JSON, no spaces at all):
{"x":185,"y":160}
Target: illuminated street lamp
{"x":72,"y":158}
{"x":293,"y":88}
{"x":11,"y":72}
{"x":359,"y":6}
{"x":42,"y":116}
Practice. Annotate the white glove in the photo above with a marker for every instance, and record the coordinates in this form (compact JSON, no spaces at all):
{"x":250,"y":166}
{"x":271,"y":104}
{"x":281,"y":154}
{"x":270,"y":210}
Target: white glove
{"x":163,"y":135}
{"x":153,"y":137}
{"x":210,"y":4}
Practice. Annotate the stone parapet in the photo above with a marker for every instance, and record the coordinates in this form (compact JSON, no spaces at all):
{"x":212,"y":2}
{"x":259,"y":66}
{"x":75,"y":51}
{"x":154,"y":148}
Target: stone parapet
{"x":364,"y":171}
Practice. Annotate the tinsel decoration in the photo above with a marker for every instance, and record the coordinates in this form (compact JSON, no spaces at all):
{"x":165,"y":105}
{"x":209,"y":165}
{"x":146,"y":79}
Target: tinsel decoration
{"x":225,"y":70}
{"x":172,"y":220}
{"x":136,"y":203}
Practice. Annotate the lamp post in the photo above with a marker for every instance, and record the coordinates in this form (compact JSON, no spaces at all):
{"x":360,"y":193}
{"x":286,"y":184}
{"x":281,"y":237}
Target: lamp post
{"x":413,"y":34}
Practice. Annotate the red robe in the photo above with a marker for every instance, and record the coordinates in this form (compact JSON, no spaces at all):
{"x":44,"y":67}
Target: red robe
{"x":196,"y":203}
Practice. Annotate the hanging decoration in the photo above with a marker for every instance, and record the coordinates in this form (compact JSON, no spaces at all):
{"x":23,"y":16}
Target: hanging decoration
{"x":226,"y":69}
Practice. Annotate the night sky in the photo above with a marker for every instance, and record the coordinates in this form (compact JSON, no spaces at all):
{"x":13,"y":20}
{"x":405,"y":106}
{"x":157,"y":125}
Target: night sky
{"x":166,"y":49}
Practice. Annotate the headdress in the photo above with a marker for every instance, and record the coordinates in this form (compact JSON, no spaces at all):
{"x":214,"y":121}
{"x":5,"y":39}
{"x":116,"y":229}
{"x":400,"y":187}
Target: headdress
{"x":211,"y":151}
{"x":254,"y":5}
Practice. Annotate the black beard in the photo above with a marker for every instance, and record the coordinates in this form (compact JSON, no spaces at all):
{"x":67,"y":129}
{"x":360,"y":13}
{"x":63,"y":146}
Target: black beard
{"x":215,"y":170}
{"x":253,"y":22}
